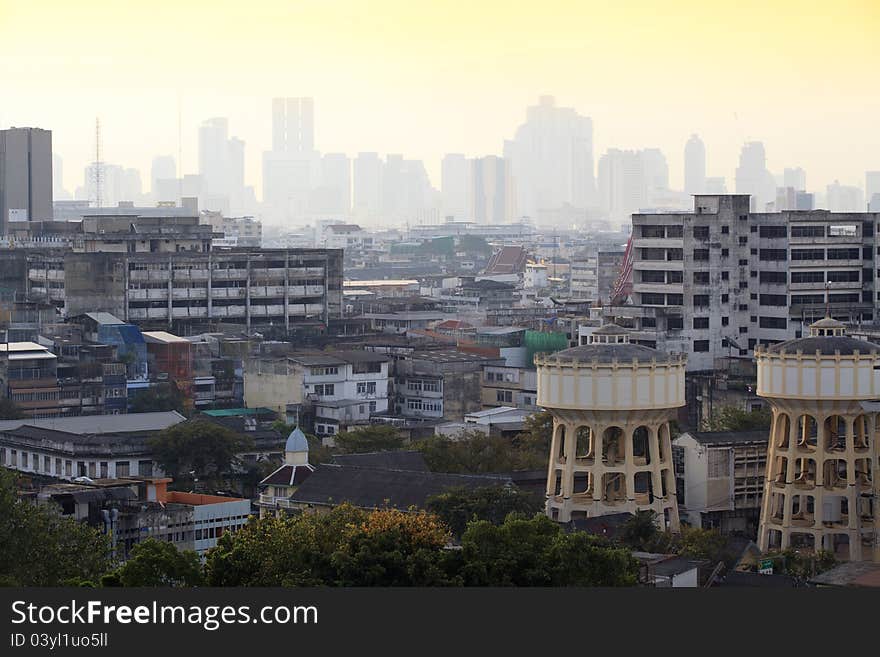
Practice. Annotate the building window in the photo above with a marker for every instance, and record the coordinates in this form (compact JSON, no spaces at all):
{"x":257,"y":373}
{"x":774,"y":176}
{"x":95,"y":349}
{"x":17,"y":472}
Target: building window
{"x":325,"y":389}
{"x":725,"y":230}
{"x":122,"y":469}
{"x":772,"y":322}
{"x":773,"y":254}
{"x":503,"y":396}
{"x":774,"y":300}
{"x":808,"y":231}
{"x":808,"y":254}
{"x":701,"y":232}
{"x":366,"y":388}
{"x":701,"y":345}
{"x":674,"y":323}
{"x":701,"y":322}
{"x":701,"y":254}
{"x":701,"y":278}
{"x":725,"y":320}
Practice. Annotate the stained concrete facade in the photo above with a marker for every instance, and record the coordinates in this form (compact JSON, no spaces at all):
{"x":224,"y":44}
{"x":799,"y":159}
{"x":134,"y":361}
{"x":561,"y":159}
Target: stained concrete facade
{"x":25,"y":176}
{"x":716,"y":282}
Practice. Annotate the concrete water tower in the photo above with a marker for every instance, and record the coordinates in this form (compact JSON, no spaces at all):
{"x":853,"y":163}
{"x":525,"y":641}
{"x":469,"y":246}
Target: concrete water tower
{"x":611,"y":402}
{"x":821,"y":491}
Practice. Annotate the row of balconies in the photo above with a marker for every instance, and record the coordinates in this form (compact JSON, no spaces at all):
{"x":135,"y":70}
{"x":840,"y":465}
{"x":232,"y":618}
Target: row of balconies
{"x":217,"y":293}
{"x":225,"y":311}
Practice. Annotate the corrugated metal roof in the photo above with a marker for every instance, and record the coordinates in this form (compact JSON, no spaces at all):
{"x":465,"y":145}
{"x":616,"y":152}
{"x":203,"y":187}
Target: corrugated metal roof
{"x":101,"y":424}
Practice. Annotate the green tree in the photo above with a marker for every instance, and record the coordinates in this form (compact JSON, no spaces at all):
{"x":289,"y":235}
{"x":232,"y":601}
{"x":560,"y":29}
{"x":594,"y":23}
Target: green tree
{"x":698,"y":543}
{"x":9,"y":410}
{"x":346,"y":546}
{"x":459,"y":506}
{"x":372,"y":438}
{"x":730,"y":418}
{"x":474,"y":452}
{"x":536,"y":552}
{"x":40,"y":547}
{"x":200,"y":446}
{"x":160,"y":563}
{"x":162,"y":397}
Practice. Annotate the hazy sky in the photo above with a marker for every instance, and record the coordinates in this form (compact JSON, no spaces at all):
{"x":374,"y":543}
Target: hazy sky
{"x":425,"y":78}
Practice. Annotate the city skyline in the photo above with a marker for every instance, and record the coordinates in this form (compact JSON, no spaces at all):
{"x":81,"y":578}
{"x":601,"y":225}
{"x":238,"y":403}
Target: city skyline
{"x":382,"y":86}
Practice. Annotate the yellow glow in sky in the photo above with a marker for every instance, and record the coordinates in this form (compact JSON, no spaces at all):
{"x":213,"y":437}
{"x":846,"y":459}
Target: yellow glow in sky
{"x":425,"y":78}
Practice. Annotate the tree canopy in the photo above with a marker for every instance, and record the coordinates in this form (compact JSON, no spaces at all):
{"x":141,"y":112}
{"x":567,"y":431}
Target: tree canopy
{"x":40,"y":547}
{"x":731,"y":418}
{"x":474,"y":452}
{"x":199,"y":446}
{"x":157,"y":563}
{"x":388,"y":547}
{"x":459,"y":506}
{"x":370,"y":438}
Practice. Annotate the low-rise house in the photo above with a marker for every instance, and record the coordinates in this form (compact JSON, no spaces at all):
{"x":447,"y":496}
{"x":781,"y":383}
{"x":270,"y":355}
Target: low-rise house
{"x":442,"y":384}
{"x":509,"y":386}
{"x":720,"y":478}
{"x":331,"y":391}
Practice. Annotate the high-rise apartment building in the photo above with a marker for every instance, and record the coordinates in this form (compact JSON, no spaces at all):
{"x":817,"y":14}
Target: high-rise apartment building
{"x":455,"y":179}
{"x":551,"y":157}
{"x":25,"y":176}
{"x":293,"y":125}
{"x":753,"y":178}
{"x":844,"y":198}
{"x":291,"y":170}
{"x":715,"y":282}
{"x":367,"y":185}
{"x":796,"y":178}
{"x":695,"y":166}
{"x":491,"y":190}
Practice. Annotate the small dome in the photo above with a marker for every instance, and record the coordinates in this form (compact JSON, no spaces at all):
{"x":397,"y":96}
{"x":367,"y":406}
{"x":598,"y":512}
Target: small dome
{"x":827,"y":327}
{"x":611,"y":329}
{"x":296,"y":442}
{"x":606,"y":353}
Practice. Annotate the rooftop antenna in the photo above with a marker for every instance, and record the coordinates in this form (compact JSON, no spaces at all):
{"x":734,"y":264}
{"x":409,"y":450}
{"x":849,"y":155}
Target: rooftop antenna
{"x":99,"y":173}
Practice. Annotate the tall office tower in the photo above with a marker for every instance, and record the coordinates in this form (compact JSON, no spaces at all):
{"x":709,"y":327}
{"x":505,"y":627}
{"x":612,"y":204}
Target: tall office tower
{"x":491,"y":191}
{"x":753,"y":178}
{"x":612,"y":402}
{"x":333,"y":195}
{"x":291,"y":170}
{"x":25,"y":176}
{"x":130,"y":186}
{"x":367,"y":172}
{"x":820,"y":491}
{"x":58,"y":191}
{"x":796,"y":178}
{"x":872,"y":190}
{"x":455,"y":182}
{"x":551,"y":158}
{"x":622,"y":186}
{"x":221,"y":166}
{"x":655,"y":171}
{"x":695,"y":166}
{"x":843,"y":198}
{"x":163,"y":178}
{"x":293,"y":125}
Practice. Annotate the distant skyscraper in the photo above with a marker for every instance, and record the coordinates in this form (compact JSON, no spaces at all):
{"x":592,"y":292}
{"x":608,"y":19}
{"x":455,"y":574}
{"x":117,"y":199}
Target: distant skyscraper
{"x":551,"y":157}
{"x":842,"y":198}
{"x":58,"y":191}
{"x":221,"y":166}
{"x":367,"y":186}
{"x":25,"y":176}
{"x":118,"y":184}
{"x":491,"y":191}
{"x":872,"y":190}
{"x":333,"y":195}
{"x":293,"y":125}
{"x":163,"y":178}
{"x":291,"y":170}
{"x":796,"y":178}
{"x":622,"y":186}
{"x":694,"y":166}
{"x":455,"y":182}
{"x":655,"y":171}
{"x":752,"y":176}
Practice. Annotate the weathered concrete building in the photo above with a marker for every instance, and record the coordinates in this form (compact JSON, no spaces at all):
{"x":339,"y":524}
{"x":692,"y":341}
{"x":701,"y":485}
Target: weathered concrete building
{"x":715,"y":282}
